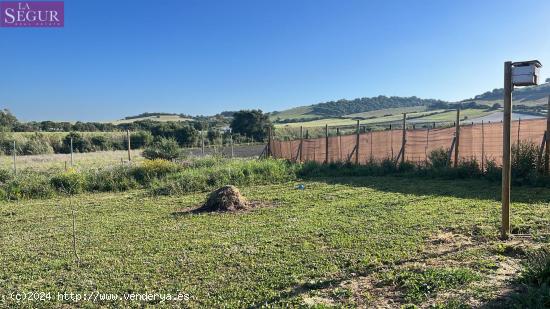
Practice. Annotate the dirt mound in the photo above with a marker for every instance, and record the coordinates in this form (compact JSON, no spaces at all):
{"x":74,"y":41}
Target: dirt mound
{"x":226,"y":198}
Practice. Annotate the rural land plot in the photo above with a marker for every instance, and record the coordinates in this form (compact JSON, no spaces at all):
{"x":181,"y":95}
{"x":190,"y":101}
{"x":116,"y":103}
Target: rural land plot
{"x":341,"y":241}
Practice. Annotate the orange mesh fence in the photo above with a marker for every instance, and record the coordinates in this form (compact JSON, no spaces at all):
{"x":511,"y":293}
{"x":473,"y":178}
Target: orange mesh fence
{"x":482,"y":142}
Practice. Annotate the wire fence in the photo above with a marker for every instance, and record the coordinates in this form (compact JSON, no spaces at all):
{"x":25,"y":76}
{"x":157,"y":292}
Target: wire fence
{"x":482,"y":142}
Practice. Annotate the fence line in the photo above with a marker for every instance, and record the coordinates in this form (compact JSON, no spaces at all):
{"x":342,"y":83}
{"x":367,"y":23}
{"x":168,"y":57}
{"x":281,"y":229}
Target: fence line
{"x":482,"y":142}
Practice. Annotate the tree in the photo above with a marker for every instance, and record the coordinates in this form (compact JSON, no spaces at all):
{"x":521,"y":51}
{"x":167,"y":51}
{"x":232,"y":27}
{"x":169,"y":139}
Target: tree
{"x":251,"y":123}
{"x":496,"y":106}
{"x":7,"y":119}
{"x":548,"y":80}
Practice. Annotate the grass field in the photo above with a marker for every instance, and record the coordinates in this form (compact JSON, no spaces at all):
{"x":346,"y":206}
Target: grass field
{"x":80,"y":160}
{"x":416,"y":116}
{"x":369,"y":241}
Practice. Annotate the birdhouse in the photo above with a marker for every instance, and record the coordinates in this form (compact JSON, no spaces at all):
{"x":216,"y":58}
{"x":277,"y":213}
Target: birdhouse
{"x":526,"y":73}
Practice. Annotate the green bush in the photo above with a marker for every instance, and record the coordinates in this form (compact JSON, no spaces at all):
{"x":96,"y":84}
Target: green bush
{"x":112,"y":179}
{"x":100,"y":142}
{"x":153,"y":169}
{"x":438,"y":158}
{"x":163,"y":148}
{"x":524,"y":162}
{"x":140,"y":139}
{"x":69,"y":182}
{"x":37,"y":144}
{"x":80,"y":143}
{"x":25,"y":186}
{"x":536,"y":280}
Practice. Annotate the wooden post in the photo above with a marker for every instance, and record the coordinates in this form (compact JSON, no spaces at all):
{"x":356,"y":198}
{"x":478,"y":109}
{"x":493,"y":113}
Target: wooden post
{"x":129,"y":147}
{"x":231,"y":141}
{"x":519,"y":127}
{"x":404,"y":139}
{"x":301,"y":142}
{"x":482,"y":147}
{"x":269,"y":150}
{"x":357,"y":144}
{"x":506,"y":150}
{"x":370,"y":141}
{"x":71,"y":152}
{"x":339,"y":144}
{"x":427,"y":144}
{"x":457,"y":134}
{"x":391,"y":141}
{"x":14,"y":158}
{"x":202,"y":143}
{"x":547,"y":152}
{"x":326,"y":144}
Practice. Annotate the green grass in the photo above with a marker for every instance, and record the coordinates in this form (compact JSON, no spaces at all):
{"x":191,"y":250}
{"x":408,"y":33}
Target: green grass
{"x":418,"y":115}
{"x":303,"y":242}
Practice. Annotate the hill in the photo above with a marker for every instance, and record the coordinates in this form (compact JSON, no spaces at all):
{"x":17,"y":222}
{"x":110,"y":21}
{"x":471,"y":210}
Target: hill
{"x":355,"y":106}
{"x":527,"y":95}
{"x":527,"y":98}
{"x":162,"y":117}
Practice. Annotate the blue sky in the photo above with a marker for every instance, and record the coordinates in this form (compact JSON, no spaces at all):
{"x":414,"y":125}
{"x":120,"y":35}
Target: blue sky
{"x":120,"y":58}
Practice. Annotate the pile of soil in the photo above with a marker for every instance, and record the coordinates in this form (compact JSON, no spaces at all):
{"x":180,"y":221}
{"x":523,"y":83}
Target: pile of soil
{"x":226,"y":198}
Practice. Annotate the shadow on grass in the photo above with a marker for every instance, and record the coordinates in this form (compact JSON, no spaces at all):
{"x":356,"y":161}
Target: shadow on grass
{"x":459,"y":188}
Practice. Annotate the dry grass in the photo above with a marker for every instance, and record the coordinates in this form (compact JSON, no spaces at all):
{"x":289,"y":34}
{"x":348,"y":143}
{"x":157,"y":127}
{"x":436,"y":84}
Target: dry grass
{"x":80,"y":160}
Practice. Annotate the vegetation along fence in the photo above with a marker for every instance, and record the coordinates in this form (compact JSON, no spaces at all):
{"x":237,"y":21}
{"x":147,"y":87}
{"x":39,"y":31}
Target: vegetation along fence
{"x":482,"y":142}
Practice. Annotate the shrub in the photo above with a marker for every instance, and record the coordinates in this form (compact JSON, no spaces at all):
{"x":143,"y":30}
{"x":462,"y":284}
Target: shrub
{"x":100,"y":142}
{"x":116,"y":179}
{"x":162,"y":148}
{"x":80,"y":143}
{"x":438,"y":158}
{"x":524,"y":162}
{"x":536,"y":278}
{"x":69,"y":182}
{"x":153,"y":169}
{"x":37,"y":144}
{"x":27,"y":185}
{"x":140,"y":139}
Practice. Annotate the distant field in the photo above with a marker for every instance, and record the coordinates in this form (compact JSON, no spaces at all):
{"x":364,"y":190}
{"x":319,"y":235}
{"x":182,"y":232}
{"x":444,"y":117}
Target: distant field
{"x":413,"y":116}
{"x":293,"y":113}
{"x":162,"y":118}
{"x":388,"y":111}
{"x":80,"y":160}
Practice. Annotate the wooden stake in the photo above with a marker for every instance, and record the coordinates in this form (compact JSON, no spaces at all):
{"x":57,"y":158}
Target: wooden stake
{"x":202,"y":143}
{"x":457,"y":134}
{"x":301,"y":142}
{"x":541,"y":151}
{"x":482,"y":147}
{"x":269,"y":142}
{"x":339,"y":144}
{"x":391,"y":141}
{"x":547,"y":152}
{"x":357,"y":144}
{"x":427,"y":144}
{"x":519,"y":127}
{"x":129,"y":147}
{"x":14,"y":158}
{"x":326,"y":144}
{"x":231,"y":141}
{"x":71,"y":152}
{"x":506,"y":150}
{"x":404,"y":139}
